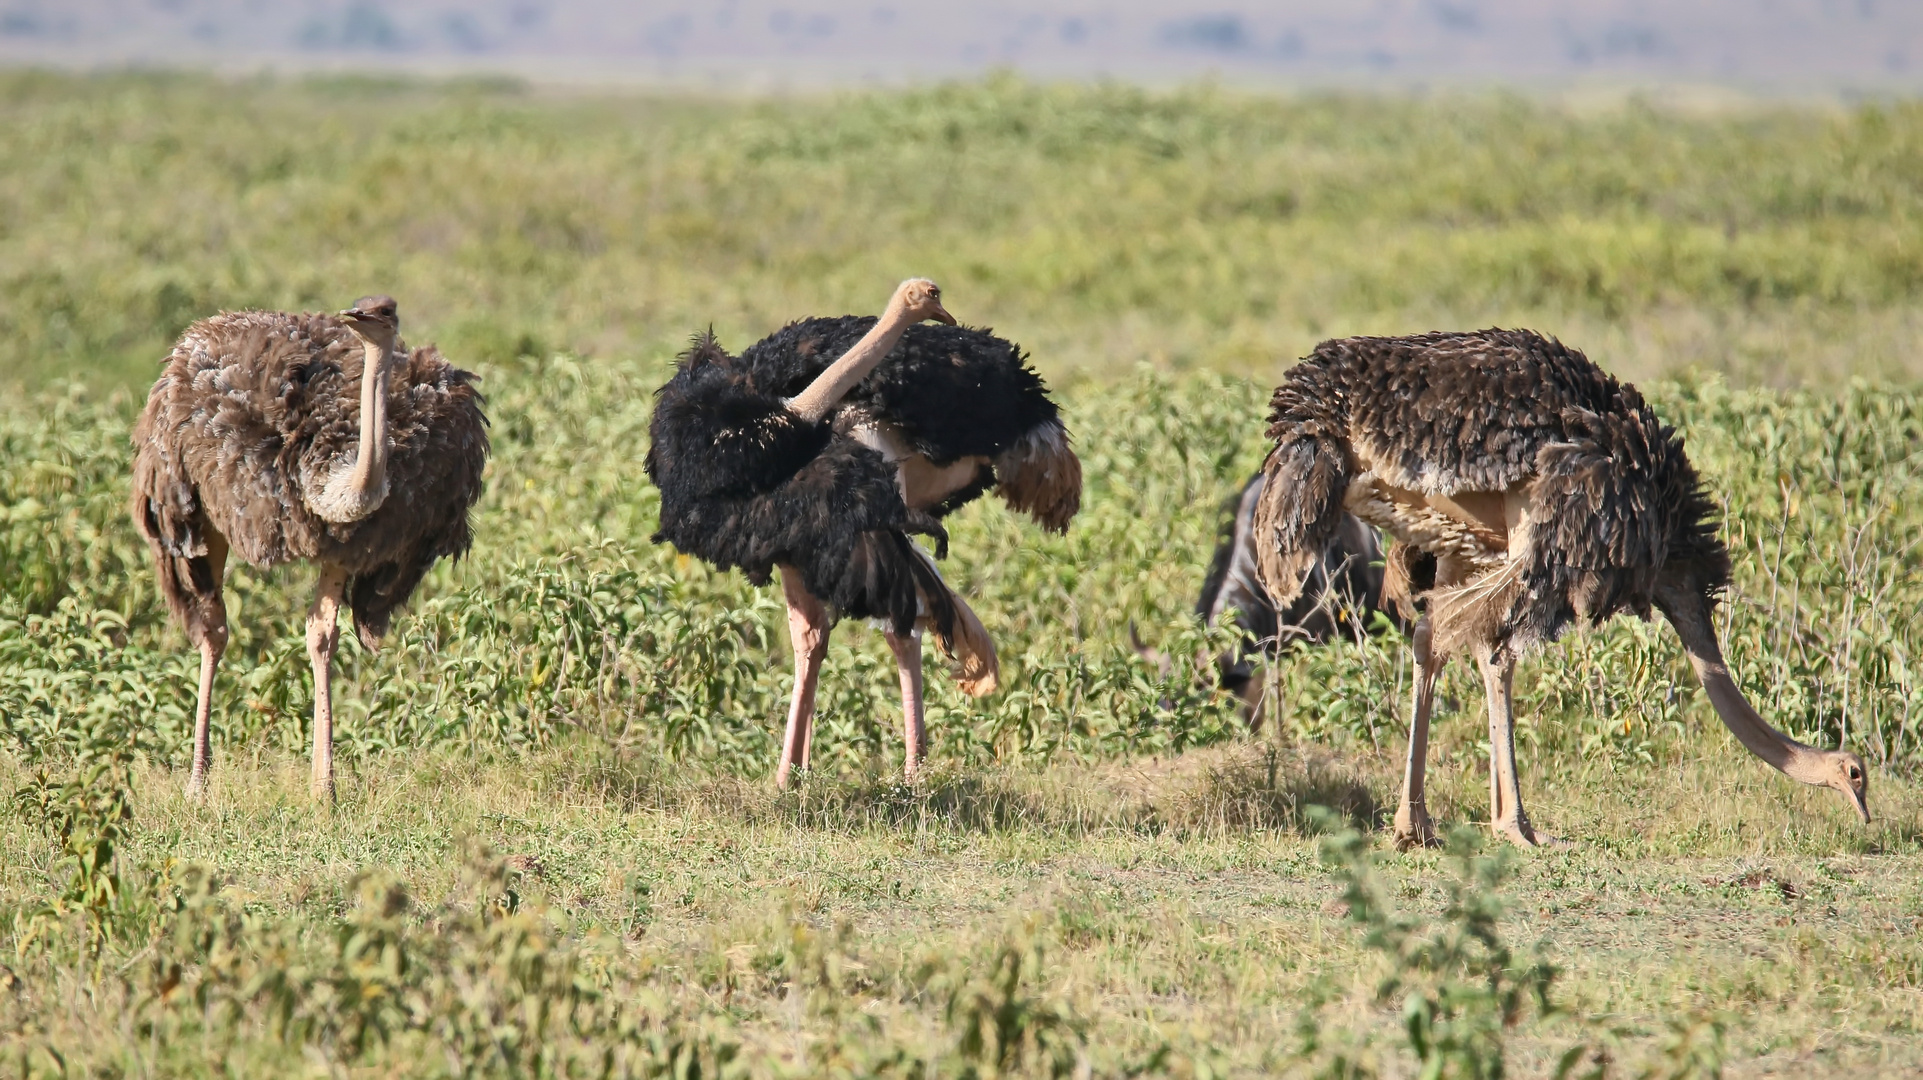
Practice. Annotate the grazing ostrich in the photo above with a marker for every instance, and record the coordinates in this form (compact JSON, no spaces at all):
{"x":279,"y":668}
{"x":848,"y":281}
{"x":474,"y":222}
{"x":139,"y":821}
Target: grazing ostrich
{"x":809,"y":454}
{"x":1341,"y":594}
{"x":1527,"y":489}
{"x":311,"y":436}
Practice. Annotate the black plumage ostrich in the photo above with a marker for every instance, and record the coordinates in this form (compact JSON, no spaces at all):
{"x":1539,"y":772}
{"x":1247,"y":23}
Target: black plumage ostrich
{"x":1340,"y":595}
{"x":823,"y":447}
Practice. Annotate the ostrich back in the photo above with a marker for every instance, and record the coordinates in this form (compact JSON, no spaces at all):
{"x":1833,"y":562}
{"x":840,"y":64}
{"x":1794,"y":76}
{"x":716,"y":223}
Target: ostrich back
{"x":1612,"y":500}
{"x":254,"y":406}
{"x":746,"y":484}
{"x":953,"y":391}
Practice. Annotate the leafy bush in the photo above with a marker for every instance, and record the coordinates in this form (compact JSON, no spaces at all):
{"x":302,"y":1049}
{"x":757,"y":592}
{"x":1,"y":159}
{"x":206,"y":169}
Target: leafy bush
{"x":543,"y":630}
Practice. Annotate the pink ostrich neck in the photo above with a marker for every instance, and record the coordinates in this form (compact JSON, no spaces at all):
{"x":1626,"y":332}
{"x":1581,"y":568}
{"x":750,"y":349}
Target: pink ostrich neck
{"x":820,"y":398}
{"x":357,"y":489}
{"x":1793,"y":759}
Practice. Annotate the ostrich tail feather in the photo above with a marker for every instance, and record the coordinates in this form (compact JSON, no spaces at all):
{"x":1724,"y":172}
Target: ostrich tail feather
{"x":1040,"y":476}
{"x":1297,"y":513}
{"x":977,"y":671}
{"x":958,"y":633}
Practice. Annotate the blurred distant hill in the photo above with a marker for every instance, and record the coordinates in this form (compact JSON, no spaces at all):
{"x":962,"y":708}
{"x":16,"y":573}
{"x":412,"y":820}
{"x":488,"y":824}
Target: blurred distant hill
{"x":1769,"y":46}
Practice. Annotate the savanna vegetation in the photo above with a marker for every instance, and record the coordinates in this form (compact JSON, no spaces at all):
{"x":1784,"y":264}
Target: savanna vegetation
{"x":557,"y":851}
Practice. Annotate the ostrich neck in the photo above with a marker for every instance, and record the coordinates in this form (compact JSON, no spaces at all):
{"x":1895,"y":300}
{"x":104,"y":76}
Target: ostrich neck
{"x":822,"y":395}
{"x":370,"y":468}
{"x":1793,"y":759}
{"x":356,"y":489}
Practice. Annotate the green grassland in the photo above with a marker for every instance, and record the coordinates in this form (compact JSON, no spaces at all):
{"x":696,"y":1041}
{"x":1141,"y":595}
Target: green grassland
{"x":1099,"y":226}
{"x":557,"y":850}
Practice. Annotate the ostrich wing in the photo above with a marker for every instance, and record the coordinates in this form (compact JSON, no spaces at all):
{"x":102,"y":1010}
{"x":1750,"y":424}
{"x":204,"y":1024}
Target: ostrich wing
{"x":952,"y":391}
{"x":1615,"y":504}
{"x":1445,"y":413}
{"x":948,"y":402}
{"x":746,"y":484}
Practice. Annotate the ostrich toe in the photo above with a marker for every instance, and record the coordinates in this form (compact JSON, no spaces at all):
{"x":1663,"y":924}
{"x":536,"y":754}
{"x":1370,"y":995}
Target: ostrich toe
{"x":1414,"y":828}
{"x":1524,"y":835}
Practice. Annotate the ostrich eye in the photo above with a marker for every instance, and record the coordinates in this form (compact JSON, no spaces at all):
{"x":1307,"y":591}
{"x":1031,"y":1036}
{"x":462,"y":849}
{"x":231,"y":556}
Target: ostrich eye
{"x":1855,"y":773}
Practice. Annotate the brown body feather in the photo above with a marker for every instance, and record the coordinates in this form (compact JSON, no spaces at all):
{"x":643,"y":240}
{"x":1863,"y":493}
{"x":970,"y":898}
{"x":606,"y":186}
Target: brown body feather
{"x":1442,"y":438}
{"x":254,"y":407}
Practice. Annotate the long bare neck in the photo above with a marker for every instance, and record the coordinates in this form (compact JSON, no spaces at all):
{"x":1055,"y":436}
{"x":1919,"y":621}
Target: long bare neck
{"x":822,"y":395}
{"x":1793,"y":759}
{"x":370,"y":468}
{"x":357,"y":489}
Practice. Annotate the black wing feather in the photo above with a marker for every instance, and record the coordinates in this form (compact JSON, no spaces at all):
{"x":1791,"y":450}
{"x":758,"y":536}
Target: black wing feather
{"x":746,"y":484}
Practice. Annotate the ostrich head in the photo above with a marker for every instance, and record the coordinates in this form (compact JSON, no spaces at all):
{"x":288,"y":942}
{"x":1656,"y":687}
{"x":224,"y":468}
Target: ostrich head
{"x":374,"y":319}
{"x":920,"y":298}
{"x":1845,"y":773}
{"x":915,"y":300}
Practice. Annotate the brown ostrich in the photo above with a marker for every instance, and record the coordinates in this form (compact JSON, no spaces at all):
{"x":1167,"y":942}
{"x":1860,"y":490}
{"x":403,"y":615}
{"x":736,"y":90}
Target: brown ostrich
{"x":1526,"y":489}
{"x":321,"y":437}
{"x":822,"y":447}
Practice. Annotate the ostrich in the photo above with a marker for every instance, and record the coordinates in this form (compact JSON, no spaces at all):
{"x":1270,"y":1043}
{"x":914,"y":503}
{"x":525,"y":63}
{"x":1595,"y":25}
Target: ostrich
{"x":1526,"y":489}
{"x":807,"y":454}
{"x":311,"y":436}
{"x":1342,"y":589}
{"x":1341,"y":593}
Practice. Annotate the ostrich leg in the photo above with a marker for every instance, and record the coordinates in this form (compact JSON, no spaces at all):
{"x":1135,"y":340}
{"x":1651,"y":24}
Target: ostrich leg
{"x":808,"y":633}
{"x":213,"y":643}
{"x":211,"y":649}
{"x":208,"y":624}
{"x":323,"y":636}
{"x":1413,"y":827}
{"x":907,"y":649}
{"x":1506,"y":816}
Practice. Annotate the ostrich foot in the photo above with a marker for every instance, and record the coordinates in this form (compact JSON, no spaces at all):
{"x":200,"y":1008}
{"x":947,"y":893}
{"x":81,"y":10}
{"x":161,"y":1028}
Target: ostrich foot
{"x":323,"y":790}
{"x":1414,"y":828}
{"x":196,"y":788}
{"x":1519,"y":832}
{"x":788,"y":778}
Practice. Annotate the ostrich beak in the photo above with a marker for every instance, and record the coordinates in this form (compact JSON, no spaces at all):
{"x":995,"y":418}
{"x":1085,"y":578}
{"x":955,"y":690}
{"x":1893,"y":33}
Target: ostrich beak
{"x":1860,"y":801}
{"x":940,"y":314}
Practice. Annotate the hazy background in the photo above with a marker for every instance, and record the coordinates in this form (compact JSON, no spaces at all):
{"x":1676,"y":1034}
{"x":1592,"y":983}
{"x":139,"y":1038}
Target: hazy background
{"x":1757,"y":46}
